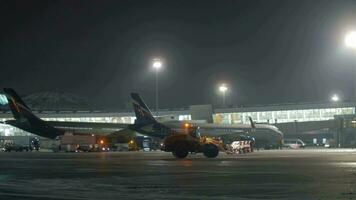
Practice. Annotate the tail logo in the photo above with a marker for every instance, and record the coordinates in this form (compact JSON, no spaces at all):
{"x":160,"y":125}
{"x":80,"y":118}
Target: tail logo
{"x":15,"y":105}
{"x":139,"y":110}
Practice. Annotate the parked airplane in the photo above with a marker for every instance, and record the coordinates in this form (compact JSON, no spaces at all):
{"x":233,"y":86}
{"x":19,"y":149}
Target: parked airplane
{"x":27,"y":121}
{"x":266,"y":136}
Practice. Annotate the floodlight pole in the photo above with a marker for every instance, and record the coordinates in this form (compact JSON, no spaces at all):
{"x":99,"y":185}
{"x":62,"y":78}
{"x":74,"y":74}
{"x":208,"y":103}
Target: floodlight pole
{"x":350,"y":42}
{"x":156,"y":74}
{"x":157,"y":64}
{"x":354,"y":83}
{"x":224,"y":96}
{"x":223,"y":90}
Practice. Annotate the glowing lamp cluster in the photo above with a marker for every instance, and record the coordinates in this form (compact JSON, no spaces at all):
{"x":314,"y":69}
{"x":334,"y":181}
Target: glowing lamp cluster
{"x":223,"y":88}
{"x":350,"y":40}
{"x":157,"y":64}
{"x":334,"y":98}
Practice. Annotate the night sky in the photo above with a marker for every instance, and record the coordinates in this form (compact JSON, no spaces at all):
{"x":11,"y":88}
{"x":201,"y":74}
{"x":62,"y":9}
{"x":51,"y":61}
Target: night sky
{"x":266,"y":51}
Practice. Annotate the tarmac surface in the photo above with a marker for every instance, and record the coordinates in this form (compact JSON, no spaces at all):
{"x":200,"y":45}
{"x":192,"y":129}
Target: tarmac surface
{"x":274,"y":174}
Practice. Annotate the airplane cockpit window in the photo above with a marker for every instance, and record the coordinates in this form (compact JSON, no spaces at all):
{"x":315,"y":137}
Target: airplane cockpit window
{"x":3,"y":100}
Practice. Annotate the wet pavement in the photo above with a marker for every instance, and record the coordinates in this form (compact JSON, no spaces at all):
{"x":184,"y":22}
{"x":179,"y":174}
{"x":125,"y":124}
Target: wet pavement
{"x":277,"y":174}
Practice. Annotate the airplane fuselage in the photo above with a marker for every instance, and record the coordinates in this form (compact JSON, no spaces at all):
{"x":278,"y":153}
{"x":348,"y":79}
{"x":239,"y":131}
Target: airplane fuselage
{"x":53,"y":129}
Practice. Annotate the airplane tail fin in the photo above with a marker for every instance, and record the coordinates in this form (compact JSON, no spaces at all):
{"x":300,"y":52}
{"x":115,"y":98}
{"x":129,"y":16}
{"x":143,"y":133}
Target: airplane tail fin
{"x":253,"y":125}
{"x":25,"y":119}
{"x":143,"y":114}
{"x":17,"y":106}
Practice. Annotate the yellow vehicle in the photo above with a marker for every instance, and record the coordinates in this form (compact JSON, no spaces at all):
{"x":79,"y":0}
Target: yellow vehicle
{"x":180,"y":144}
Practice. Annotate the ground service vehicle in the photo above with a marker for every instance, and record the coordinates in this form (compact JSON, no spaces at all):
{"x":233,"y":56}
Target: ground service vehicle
{"x":180,"y":144}
{"x":20,"y":143}
{"x":294,"y":143}
{"x":240,"y":146}
{"x":15,"y":147}
{"x":83,"y":143}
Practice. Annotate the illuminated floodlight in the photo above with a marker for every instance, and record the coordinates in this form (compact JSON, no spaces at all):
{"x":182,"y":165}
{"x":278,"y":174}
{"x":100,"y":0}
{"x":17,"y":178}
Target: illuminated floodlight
{"x":223,"y":88}
{"x":334,"y":98}
{"x":157,"y":64}
{"x":350,"y":40}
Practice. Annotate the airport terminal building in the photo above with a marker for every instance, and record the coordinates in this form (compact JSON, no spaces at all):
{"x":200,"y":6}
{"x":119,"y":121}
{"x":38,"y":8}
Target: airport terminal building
{"x":315,"y":123}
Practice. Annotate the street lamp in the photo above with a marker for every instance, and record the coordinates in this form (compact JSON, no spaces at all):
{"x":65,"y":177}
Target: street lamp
{"x":334,"y":98}
{"x":223,"y":88}
{"x":157,"y":65}
{"x":350,"y":40}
